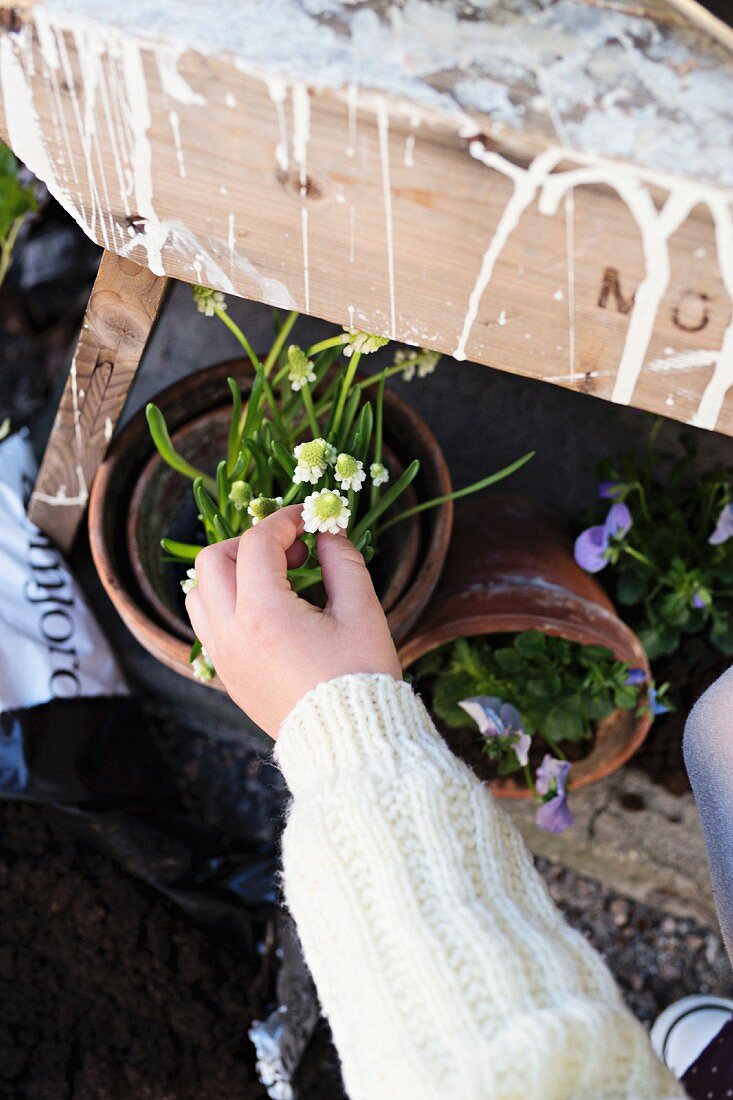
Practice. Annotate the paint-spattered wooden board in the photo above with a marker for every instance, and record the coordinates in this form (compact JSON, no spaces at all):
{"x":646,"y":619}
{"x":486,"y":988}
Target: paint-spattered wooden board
{"x":546,"y":190}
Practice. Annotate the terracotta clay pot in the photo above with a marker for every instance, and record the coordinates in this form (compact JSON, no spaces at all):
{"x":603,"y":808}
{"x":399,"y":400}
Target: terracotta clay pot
{"x":162,"y":505}
{"x":510,"y":568}
{"x":185,"y":402}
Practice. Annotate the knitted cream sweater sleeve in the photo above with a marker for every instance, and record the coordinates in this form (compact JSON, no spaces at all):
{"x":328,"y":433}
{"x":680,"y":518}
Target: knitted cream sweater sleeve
{"x":444,"y":968}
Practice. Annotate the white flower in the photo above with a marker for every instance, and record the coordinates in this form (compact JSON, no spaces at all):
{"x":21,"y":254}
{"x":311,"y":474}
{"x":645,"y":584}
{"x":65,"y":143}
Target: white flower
{"x":312,"y":459}
{"x":422,"y":362}
{"x":240,"y":494}
{"x":300,"y":368}
{"x":208,"y":300}
{"x":378,"y":473}
{"x":190,"y":582}
{"x":349,"y":473}
{"x":202,"y":667}
{"x":262,"y":507}
{"x":326,"y":510}
{"x":363,"y":342}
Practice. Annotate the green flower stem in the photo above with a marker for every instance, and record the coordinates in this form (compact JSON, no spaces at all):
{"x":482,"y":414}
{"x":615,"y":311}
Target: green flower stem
{"x":642,"y":500}
{"x":530,"y":780}
{"x":166,"y":450}
{"x":310,"y":410}
{"x":638,"y":556}
{"x":374,"y":379}
{"x":553,"y":746}
{"x":378,"y":438}
{"x":6,"y":249}
{"x":458,"y":493}
{"x":237,"y":332}
{"x":280,"y":339}
{"x":345,"y":387}
{"x":332,"y":342}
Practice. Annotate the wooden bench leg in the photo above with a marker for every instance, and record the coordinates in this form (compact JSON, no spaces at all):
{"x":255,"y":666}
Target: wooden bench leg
{"x":122,"y":309}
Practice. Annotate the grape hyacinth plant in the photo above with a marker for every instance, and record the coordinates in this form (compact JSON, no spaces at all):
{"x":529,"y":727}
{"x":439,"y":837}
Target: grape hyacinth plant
{"x":311,"y":433}
{"x":530,"y":696}
{"x":667,"y":541}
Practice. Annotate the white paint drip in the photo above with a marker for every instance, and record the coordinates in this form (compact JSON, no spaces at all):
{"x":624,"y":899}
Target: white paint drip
{"x":570,"y":252}
{"x":108,"y":429}
{"x":230,"y":100}
{"x":173,"y":83}
{"x":525,"y":188}
{"x":352,"y":105}
{"x":656,"y":229}
{"x":306,"y":257}
{"x":142,"y":155}
{"x":176,"y":128}
{"x":409,"y":156}
{"x":301,"y":132}
{"x":717,"y":388}
{"x":684,"y":360}
{"x":351,"y":318}
{"x":277,"y":91}
{"x":383,"y":129}
{"x":501,"y":319}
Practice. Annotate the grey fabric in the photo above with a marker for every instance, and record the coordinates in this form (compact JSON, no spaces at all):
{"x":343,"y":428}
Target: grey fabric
{"x":708,"y":746}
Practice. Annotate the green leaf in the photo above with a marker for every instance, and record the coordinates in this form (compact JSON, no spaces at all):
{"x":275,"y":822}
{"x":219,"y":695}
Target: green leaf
{"x":15,"y":200}
{"x":530,"y":643}
{"x":562,"y":725}
{"x":509,"y":660}
{"x":234,"y":440}
{"x":166,"y":450}
{"x":182,"y":551}
{"x":631,"y":588}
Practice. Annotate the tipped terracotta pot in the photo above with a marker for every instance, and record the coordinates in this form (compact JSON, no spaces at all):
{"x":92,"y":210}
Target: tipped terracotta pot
{"x":510,"y":568}
{"x":197,"y":412}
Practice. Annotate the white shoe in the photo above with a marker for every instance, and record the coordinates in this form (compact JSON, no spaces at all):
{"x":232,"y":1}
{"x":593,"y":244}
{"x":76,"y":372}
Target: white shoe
{"x":681,"y":1033}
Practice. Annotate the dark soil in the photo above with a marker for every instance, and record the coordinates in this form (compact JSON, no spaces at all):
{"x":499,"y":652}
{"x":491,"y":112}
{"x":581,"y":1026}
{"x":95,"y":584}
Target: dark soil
{"x":689,"y":673}
{"x":107,"y":991}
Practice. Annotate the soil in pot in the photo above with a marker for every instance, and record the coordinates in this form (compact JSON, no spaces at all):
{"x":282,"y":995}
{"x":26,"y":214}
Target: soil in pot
{"x":510,"y":569}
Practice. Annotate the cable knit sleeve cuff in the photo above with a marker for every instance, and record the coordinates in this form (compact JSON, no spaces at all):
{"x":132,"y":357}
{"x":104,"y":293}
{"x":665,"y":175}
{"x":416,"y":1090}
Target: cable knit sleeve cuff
{"x":354,"y":723}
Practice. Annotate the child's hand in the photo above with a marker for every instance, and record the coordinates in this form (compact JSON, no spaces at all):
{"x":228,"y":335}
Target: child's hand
{"x":270,"y":646}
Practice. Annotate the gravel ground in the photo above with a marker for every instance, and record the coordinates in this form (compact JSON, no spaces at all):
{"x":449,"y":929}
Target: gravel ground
{"x":654,"y":956}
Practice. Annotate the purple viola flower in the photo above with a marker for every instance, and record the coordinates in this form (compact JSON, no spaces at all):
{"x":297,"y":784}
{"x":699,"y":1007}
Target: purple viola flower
{"x":654,"y":704}
{"x":636,"y":676}
{"x":591,"y":545}
{"x":697,"y":601}
{"x":554,"y":815}
{"x":724,"y":528}
{"x":497,"y":719}
{"x":610,"y":490}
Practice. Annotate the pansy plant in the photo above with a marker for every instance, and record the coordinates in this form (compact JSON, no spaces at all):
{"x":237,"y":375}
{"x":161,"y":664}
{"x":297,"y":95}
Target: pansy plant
{"x":309,"y":431}
{"x":663,"y":531}
{"x":529,"y":696}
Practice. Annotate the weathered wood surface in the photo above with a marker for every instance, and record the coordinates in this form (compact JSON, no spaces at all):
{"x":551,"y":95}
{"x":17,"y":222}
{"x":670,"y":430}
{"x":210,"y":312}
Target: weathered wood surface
{"x":543,"y":190}
{"x":121,"y":312}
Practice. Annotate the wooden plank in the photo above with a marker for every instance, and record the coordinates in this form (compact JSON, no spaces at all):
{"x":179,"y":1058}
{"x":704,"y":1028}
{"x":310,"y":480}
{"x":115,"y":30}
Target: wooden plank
{"x":121,"y":312}
{"x":485,"y":212}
